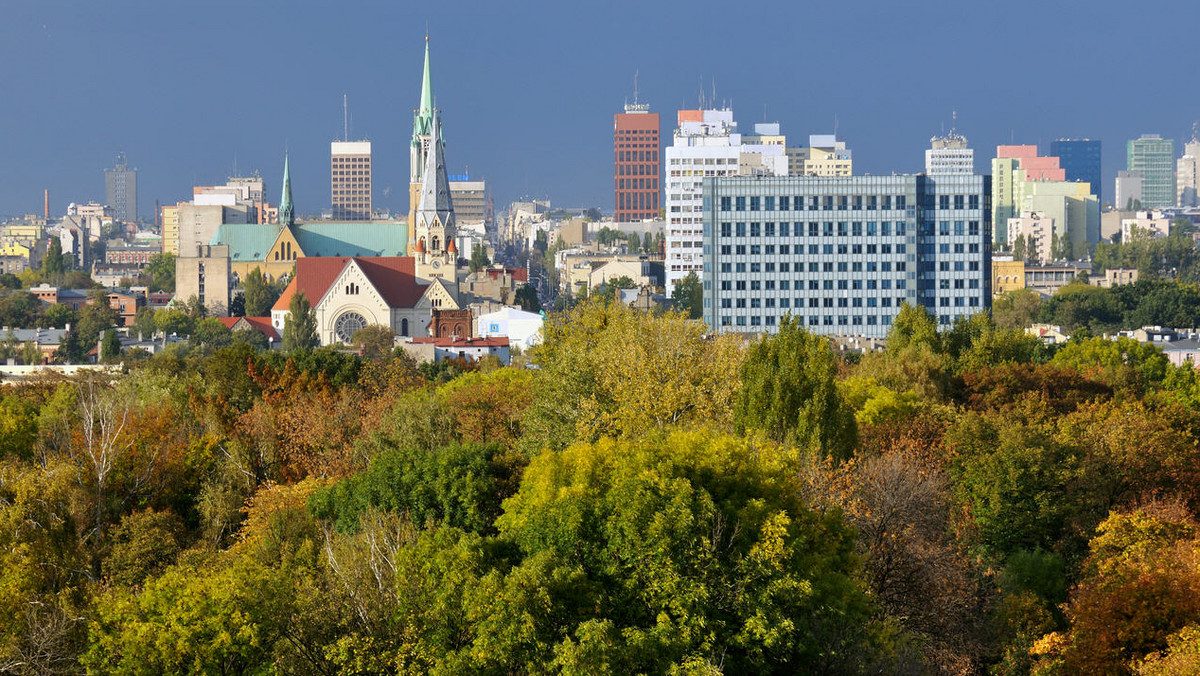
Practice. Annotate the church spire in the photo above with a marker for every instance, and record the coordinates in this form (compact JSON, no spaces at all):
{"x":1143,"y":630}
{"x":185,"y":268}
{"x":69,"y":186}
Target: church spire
{"x":287,"y":215}
{"x":422,"y":120}
{"x":435,"y":201}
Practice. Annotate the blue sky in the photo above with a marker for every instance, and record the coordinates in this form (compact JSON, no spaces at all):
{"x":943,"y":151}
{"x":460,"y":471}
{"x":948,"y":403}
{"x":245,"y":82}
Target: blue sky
{"x":528,"y":89}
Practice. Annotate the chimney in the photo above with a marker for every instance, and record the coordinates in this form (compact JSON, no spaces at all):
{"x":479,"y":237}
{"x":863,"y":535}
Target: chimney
{"x":46,"y":204}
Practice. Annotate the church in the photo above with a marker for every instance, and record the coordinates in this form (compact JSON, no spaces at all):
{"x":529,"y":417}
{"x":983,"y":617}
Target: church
{"x":401,"y":275}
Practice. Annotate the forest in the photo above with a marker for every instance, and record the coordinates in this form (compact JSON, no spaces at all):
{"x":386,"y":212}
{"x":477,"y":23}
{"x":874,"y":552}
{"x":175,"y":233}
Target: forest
{"x":639,"y":498}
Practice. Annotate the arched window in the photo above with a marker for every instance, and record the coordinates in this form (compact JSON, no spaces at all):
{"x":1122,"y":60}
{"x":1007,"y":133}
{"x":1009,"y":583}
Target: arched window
{"x":436,"y":243}
{"x":404,"y":327}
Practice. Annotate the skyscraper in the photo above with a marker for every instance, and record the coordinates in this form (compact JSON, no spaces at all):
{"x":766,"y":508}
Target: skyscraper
{"x":1154,"y":157}
{"x":1080,"y":160}
{"x":1187,"y":174}
{"x":706,"y":144}
{"x":350,"y":180}
{"x":636,"y":166}
{"x":120,"y":190}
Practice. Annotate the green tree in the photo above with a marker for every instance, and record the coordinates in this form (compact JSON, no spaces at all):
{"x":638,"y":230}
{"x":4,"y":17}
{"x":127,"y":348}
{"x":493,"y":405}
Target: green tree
{"x":375,"y":341}
{"x":52,"y":261}
{"x":95,"y":317}
{"x":479,"y":258}
{"x":143,"y":322}
{"x":527,"y":298}
{"x":211,"y":333}
{"x":607,"y":370}
{"x":688,"y":296}
{"x":260,"y":295}
{"x":789,"y":391}
{"x":1017,"y":309}
{"x":110,"y":346}
{"x":621,"y":564}
{"x":300,"y":325}
{"x":58,"y":316}
{"x":610,"y":290}
{"x":159,"y":273}
{"x":459,"y":485}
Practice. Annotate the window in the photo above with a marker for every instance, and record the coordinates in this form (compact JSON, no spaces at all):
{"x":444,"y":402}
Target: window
{"x":783,"y":203}
{"x":755,"y":230}
{"x":783,"y":229}
{"x":769,"y":203}
{"x":943,"y":201}
{"x":958,"y":201}
{"x":726,"y":230}
{"x":740,"y":203}
{"x":769,"y":228}
{"x":755,"y":203}
{"x":740,"y":229}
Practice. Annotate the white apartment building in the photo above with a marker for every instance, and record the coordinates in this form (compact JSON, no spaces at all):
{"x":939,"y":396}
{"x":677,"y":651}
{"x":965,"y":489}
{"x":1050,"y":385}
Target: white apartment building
{"x":949,"y":154}
{"x":1038,"y":231}
{"x":706,"y":144}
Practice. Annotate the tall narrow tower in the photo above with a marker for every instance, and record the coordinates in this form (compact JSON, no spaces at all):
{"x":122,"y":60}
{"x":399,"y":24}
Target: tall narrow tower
{"x":120,"y":190}
{"x":419,"y":150}
{"x":287,"y":213}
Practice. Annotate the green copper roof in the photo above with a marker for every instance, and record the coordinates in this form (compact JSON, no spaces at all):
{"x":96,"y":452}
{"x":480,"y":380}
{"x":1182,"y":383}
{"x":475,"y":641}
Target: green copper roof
{"x":424,"y":115}
{"x":287,"y":214}
{"x":252,"y":242}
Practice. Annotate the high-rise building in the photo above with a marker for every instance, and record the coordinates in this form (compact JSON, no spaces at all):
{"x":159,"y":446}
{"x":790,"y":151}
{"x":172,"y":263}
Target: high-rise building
{"x":470,"y":202}
{"x":1080,"y":161}
{"x":1187,"y":175}
{"x":825,"y":155}
{"x":350,"y":180}
{"x":636,"y":164}
{"x":842,"y":254}
{"x":706,"y":144}
{"x":1128,"y":190}
{"x":1154,"y":157}
{"x":949,"y":154}
{"x":120,"y":190}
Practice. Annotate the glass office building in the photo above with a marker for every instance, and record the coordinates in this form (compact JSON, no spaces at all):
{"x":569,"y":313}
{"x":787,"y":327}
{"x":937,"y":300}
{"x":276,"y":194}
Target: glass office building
{"x":842,"y":254}
{"x":1080,"y":160}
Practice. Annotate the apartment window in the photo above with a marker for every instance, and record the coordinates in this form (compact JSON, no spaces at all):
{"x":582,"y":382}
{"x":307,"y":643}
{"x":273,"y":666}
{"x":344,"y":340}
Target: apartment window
{"x":755,"y":203}
{"x":901,"y":202}
{"x":740,"y":204}
{"x":958,"y":201}
{"x":783,"y":229}
{"x":726,"y":230}
{"x":740,"y":229}
{"x":843,"y":202}
{"x":755,"y":229}
{"x":827,"y":203}
{"x":943,"y":201}
{"x":769,"y":229}
{"x":841,"y":228}
{"x":769,"y":203}
{"x":973,"y":201}
{"x":812,"y":229}
{"x":784,"y":202}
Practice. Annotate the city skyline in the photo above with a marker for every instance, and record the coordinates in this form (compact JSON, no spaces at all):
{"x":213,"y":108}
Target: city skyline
{"x":187,"y":94}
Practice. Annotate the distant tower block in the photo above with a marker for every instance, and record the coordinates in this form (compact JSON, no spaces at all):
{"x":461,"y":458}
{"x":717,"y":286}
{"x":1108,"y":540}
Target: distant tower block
{"x":120,"y":190}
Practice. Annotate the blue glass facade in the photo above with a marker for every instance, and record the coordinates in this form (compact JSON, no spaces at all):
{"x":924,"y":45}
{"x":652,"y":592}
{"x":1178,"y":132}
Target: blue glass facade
{"x":843,"y":254}
{"x":1080,"y":160}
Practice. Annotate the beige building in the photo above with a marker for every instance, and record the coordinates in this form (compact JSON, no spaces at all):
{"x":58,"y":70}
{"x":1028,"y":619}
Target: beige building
{"x":170,"y":229}
{"x":203,"y":272}
{"x":1187,"y":176}
{"x":1151,"y":223}
{"x":1050,"y":278}
{"x":470,"y":204}
{"x":824,"y":156}
{"x":199,"y":222}
{"x":1038,"y":231}
{"x":1007,"y":275}
{"x":1115,"y":277}
{"x":350,"y":180}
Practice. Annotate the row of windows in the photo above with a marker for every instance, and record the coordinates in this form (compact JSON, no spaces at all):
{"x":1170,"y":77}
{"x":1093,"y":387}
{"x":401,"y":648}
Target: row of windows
{"x":786,"y":303}
{"x":819,"y":320}
{"x":843,"y":202}
{"x":638,"y":183}
{"x":844,"y":229}
{"x":813,"y":249}
{"x":815,"y":284}
{"x":637,"y":170}
{"x":637,"y":155}
{"x":785,"y":229}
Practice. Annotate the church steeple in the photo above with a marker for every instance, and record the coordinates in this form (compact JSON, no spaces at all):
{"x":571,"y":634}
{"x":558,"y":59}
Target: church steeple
{"x":423,"y":116}
{"x":435,"y":210}
{"x":287,"y":214}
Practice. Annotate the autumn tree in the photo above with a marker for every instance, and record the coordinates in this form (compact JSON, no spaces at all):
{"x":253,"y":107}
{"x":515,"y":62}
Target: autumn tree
{"x":375,"y":341}
{"x":300,"y":325}
{"x":788,"y":391}
{"x":259,"y":294}
{"x":688,"y":296}
{"x":607,"y":370}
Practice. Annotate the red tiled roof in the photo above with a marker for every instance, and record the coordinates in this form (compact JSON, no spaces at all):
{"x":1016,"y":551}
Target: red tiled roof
{"x":462,"y":342}
{"x":260,"y":324}
{"x":392,"y":276}
{"x":518,"y":274}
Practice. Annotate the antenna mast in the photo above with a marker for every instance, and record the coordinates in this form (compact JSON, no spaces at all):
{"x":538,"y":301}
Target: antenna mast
{"x":345,"y":118}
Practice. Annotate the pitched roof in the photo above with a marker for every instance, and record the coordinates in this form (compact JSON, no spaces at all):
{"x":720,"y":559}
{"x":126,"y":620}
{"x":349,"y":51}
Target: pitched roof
{"x":447,"y":341}
{"x":392,"y":276}
{"x":253,"y":241}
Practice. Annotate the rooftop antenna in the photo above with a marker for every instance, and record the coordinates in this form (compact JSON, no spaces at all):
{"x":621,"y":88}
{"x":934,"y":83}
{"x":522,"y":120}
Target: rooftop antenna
{"x":714,"y":90}
{"x":701,"y":92}
{"x":345,"y":117}
{"x":835,"y":126}
{"x":235,"y":163}
{"x":1195,"y":130}
{"x":953,"y":121}
{"x":635,"y":87}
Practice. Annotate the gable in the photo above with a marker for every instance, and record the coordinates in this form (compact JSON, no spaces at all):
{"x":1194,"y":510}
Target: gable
{"x":285,"y":248}
{"x":352,"y":286}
